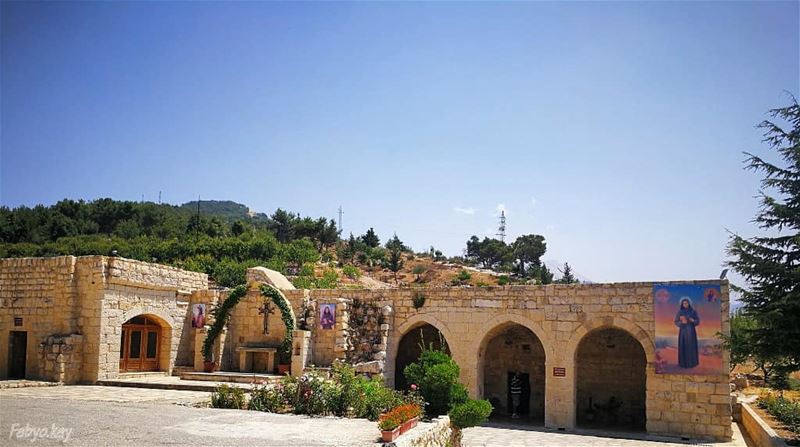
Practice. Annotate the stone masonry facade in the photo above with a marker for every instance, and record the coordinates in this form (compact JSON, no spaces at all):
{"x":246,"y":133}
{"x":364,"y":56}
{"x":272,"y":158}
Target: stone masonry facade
{"x":73,"y":309}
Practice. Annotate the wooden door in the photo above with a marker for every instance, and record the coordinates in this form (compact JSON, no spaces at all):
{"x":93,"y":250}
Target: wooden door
{"x":139,"y":345}
{"x":17,"y":354}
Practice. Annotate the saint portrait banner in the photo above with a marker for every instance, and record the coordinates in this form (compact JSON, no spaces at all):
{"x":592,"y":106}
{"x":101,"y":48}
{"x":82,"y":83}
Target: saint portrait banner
{"x":327,"y":316}
{"x":688,"y":319}
{"x":198,"y":315}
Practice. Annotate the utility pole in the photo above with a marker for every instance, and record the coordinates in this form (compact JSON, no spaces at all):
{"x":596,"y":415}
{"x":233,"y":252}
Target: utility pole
{"x":159,"y":197}
{"x":340,"y":218}
{"x":502,"y":229}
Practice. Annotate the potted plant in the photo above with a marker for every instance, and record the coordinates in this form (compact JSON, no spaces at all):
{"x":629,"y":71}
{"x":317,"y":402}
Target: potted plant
{"x":389,"y":423}
{"x":284,"y":361}
{"x":398,"y":420}
{"x":209,"y":365}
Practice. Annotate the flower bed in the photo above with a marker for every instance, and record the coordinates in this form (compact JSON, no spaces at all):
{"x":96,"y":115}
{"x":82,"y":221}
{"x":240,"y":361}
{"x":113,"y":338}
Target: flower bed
{"x":343,"y":394}
{"x":785,"y":411}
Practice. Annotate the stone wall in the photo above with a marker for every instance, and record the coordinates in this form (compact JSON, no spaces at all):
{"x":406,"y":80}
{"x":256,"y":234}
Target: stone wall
{"x":37,"y":296}
{"x":436,"y":433}
{"x":559,"y":316}
{"x":89,"y":298}
{"x":132,"y":272}
{"x":65,"y":299}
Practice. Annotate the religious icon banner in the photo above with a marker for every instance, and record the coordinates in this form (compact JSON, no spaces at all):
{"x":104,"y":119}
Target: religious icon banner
{"x":198,"y":315}
{"x":688,"y":319}
{"x":327,"y":316}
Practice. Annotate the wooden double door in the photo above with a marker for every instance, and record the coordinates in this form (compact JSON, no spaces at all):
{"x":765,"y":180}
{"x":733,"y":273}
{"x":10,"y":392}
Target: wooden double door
{"x":140,"y":345}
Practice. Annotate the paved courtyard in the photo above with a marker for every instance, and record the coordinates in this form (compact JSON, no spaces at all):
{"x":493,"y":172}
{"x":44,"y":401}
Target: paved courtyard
{"x":98,"y":415}
{"x":506,"y":435}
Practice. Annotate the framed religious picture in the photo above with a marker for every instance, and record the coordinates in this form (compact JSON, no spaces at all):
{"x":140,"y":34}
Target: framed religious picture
{"x":327,"y":316}
{"x":198,"y":315}
{"x":688,"y":320}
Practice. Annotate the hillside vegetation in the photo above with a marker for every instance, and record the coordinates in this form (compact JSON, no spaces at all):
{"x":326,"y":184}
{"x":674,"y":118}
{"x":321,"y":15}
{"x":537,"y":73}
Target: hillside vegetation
{"x":223,"y":239}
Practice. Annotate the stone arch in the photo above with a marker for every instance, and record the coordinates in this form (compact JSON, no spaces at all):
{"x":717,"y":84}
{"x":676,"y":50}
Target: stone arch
{"x":617,"y":367}
{"x":630,"y":327}
{"x":536,"y":346}
{"x":495,"y":324}
{"x":161,"y":316}
{"x":416,"y":321}
{"x":166,"y":349}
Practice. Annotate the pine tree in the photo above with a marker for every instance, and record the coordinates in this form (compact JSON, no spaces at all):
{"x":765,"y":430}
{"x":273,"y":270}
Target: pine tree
{"x":770,"y":264}
{"x":567,"y":277}
{"x":371,"y":239}
{"x":395,"y":261}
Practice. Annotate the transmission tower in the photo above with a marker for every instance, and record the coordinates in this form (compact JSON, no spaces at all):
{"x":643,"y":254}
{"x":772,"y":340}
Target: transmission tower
{"x":502,"y":229}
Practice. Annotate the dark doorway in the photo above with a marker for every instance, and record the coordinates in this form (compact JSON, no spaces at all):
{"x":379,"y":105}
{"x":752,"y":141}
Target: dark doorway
{"x":524,"y":408}
{"x":611,"y":381}
{"x":509,"y":348}
{"x":410,"y":348}
{"x":17,"y":354}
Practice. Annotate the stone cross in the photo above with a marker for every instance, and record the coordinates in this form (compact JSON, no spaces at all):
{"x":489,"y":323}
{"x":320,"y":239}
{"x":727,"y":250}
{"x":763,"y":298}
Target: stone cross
{"x":265,"y":310}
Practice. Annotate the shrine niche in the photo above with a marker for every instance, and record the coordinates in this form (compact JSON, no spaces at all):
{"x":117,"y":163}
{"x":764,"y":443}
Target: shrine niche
{"x":258,"y":339}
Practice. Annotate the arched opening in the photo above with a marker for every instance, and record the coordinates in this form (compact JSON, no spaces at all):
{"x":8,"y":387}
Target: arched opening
{"x":514,"y":373}
{"x":141,"y":344}
{"x":410,"y":348}
{"x":611,"y":380}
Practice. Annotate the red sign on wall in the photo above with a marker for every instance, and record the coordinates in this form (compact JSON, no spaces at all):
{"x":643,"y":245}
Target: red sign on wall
{"x":559,"y":372}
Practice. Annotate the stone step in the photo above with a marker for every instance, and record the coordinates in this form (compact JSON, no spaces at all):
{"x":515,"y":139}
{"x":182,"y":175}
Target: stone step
{"x":232,"y":377}
{"x":176,"y":384}
{"x":142,"y":375}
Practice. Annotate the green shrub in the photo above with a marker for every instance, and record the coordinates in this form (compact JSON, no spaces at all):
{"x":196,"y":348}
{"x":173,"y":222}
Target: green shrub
{"x":314,"y":395}
{"x":329,"y":279}
{"x":418,"y":300}
{"x":225,"y":396}
{"x":351,"y":271}
{"x":378,"y":398}
{"x":503,"y":280}
{"x":470,"y":413}
{"x":462,"y":278}
{"x":436,"y":375}
{"x":270,"y":399}
{"x":350,"y":400}
{"x":784,"y":410}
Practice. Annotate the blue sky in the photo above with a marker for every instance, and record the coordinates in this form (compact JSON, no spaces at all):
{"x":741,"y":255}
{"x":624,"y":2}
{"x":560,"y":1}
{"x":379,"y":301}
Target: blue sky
{"x":614,"y":129}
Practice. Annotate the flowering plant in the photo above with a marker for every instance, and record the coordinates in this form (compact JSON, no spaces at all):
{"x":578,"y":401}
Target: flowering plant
{"x":396,"y":416}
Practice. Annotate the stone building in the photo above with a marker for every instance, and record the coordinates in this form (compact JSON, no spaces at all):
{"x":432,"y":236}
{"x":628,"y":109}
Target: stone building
{"x":576,"y":347}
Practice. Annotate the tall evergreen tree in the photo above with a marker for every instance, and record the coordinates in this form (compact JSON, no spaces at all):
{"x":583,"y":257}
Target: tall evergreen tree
{"x":770,"y":264}
{"x":395,"y":261}
{"x":371,"y":239}
{"x":567,"y":277}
